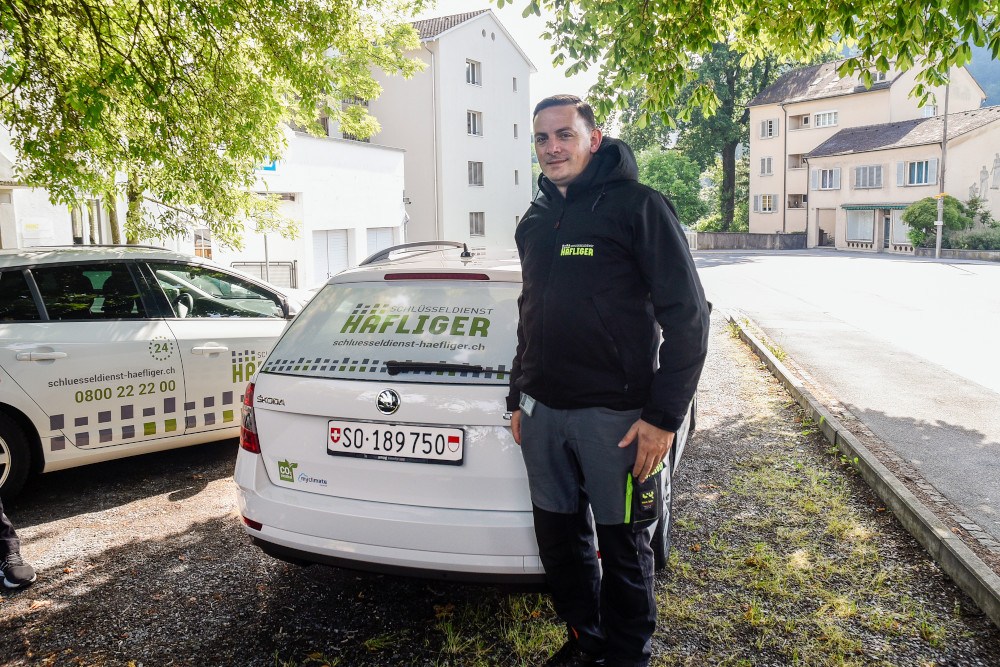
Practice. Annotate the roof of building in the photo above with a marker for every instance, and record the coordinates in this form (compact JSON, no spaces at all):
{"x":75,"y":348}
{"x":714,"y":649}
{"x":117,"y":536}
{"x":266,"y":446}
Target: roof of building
{"x":815,"y":82}
{"x":431,"y":28}
{"x":917,"y":132}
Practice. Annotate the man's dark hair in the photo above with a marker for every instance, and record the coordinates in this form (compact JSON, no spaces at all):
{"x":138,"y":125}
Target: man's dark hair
{"x":581,"y":107}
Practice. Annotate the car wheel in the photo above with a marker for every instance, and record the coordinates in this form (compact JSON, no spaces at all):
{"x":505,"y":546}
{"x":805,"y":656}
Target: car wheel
{"x":15,"y":458}
{"x":661,"y":534}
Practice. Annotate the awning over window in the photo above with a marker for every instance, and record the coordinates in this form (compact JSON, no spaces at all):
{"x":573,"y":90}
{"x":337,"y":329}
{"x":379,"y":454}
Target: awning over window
{"x":872,"y":207}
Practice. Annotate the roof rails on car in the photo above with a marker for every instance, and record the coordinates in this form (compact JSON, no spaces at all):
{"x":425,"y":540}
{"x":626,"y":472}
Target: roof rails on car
{"x":384,"y":253}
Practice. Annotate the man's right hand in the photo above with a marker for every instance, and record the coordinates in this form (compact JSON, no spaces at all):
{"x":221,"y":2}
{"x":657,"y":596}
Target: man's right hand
{"x":515,"y":425}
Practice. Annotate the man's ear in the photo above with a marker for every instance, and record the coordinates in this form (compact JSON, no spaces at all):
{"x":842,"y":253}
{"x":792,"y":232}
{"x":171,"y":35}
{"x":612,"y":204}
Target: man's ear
{"x":595,"y":140}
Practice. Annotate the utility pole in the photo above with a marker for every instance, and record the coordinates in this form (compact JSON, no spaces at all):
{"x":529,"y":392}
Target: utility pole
{"x":939,"y":224}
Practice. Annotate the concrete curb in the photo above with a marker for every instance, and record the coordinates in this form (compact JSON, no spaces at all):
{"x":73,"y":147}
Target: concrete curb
{"x":949,"y":551}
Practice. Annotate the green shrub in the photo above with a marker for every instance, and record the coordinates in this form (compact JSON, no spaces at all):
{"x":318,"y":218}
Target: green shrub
{"x":921,"y":215}
{"x":975,"y":239}
{"x":710,"y":223}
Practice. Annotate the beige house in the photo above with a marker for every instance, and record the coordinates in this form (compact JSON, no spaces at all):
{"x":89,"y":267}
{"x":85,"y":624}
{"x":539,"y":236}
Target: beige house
{"x":806,"y":107}
{"x":861,"y":179}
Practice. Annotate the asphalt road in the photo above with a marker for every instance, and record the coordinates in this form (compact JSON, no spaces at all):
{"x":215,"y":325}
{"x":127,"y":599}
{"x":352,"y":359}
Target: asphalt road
{"x":910,"y":346}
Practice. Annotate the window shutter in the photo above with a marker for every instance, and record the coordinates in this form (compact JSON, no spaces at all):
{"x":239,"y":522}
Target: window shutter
{"x":836,"y":178}
{"x":814,"y":180}
{"x":763,"y":128}
{"x":900,"y":173}
{"x":756,"y":203}
{"x":777,"y":126}
{"x":933,"y":168}
{"x":774,"y":203}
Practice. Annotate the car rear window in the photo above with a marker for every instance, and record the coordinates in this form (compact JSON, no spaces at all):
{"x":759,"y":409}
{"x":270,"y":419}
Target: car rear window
{"x":351,"y":330}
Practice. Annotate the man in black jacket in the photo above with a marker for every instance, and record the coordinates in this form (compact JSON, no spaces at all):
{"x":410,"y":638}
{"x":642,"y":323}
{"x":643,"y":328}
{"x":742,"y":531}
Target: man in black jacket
{"x":606,"y":269}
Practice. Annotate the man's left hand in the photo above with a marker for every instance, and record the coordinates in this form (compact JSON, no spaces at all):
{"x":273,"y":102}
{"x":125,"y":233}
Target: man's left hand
{"x":654,"y":445}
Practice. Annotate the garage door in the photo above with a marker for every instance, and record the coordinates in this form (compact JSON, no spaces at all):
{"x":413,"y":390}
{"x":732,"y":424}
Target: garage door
{"x":329,"y":254}
{"x":379,"y":238}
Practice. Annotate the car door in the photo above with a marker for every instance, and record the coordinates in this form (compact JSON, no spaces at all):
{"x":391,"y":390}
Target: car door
{"x":225,"y":326}
{"x":103,"y":368}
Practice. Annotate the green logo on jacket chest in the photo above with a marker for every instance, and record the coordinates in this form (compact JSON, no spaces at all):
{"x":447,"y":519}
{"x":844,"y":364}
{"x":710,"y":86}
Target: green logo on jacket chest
{"x":576,"y":250}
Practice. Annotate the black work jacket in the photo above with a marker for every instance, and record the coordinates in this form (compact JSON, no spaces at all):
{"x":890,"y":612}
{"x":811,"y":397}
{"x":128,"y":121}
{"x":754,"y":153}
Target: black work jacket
{"x":605,"y":270}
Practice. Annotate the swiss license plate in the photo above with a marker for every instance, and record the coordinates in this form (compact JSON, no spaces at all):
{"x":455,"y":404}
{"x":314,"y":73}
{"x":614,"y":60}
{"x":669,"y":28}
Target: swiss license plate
{"x":395,"y":442}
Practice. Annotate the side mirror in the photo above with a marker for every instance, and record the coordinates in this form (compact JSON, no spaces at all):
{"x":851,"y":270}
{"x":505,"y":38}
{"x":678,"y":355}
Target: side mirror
{"x":288,"y":309}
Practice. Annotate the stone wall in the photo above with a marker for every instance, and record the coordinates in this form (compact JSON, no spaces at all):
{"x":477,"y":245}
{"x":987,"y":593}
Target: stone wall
{"x":947,"y":253}
{"x":745,"y":241}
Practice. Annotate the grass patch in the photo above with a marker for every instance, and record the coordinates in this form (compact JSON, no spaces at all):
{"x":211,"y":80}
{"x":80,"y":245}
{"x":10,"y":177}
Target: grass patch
{"x":797,"y":573}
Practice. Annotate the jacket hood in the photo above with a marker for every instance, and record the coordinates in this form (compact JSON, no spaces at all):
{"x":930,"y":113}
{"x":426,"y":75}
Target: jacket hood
{"x":614,"y":161}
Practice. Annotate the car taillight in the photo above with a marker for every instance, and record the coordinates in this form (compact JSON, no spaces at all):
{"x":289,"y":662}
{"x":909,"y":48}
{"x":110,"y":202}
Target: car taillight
{"x":248,"y":424}
{"x":256,"y":525}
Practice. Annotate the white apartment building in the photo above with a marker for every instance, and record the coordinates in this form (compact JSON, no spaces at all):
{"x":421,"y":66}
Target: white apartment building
{"x":808,"y":106}
{"x":465,"y":124}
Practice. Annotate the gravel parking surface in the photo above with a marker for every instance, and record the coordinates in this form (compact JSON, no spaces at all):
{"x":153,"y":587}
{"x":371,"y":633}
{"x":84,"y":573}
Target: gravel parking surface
{"x":143,"y":562}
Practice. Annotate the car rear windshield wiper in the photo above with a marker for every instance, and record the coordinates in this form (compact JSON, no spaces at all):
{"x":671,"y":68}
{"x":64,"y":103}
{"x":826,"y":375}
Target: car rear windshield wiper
{"x":397,"y":367}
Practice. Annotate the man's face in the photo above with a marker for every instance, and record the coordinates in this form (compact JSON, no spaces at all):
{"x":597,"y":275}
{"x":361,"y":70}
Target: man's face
{"x":564,"y":144}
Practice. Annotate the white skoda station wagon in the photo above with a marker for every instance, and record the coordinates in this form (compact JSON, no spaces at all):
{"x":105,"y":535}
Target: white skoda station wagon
{"x":376,"y":437}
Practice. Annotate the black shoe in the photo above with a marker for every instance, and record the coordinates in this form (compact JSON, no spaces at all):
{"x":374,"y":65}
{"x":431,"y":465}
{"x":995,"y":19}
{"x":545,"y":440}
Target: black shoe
{"x":16,"y":573}
{"x":571,"y":655}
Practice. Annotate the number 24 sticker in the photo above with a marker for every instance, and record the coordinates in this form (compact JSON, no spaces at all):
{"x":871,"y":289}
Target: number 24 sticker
{"x":161,"y":348}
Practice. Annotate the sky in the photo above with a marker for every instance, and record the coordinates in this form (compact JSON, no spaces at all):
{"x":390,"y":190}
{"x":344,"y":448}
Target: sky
{"x":549,"y":79}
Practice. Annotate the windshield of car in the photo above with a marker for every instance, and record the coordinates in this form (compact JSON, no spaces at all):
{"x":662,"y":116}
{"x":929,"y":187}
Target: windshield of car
{"x":350,"y":330}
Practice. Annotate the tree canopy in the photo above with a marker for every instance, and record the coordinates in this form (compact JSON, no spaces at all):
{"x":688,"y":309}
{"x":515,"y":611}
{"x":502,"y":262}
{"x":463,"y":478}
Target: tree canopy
{"x":677,"y":177}
{"x":185,"y":97}
{"x":652,"y":44}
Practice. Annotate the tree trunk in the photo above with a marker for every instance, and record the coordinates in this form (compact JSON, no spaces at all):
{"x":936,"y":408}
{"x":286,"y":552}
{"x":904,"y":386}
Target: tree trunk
{"x":92,"y":222}
{"x":111,"y":201}
{"x":133,"y":195}
{"x":727,"y":191}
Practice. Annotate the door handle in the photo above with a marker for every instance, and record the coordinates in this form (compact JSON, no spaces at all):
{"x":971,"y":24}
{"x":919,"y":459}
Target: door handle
{"x":40,"y":356}
{"x":209,"y":349}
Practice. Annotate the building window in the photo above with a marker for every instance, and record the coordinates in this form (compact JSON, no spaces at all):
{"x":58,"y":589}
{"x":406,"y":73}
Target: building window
{"x":517,"y":220}
{"x":928,"y":111}
{"x":474,"y":123}
{"x":878,"y":77}
{"x":861,"y":226}
{"x":763,"y":203}
{"x":477,"y":223}
{"x":515,"y":84}
{"x":515,"y":130}
{"x":868,"y":177}
{"x":473,"y":72}
{"x":475,"y":173}
{"x":796,"y":161}
{"x":825,"y":179}
{"x":203,"y":242}
{"x":517,"y":180}
{"x":798,"y":122}
{"x":825,"y":119}
{"x":900,"y":230}
{"x":765,"y":166}
{"x":797,"y":201}
{"x":768,"y":128}
{"x":918,"y":173}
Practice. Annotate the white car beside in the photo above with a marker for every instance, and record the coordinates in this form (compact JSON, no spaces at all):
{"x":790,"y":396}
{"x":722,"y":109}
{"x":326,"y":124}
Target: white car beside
{"x":112,"y":351}
{"x":375,"y":436}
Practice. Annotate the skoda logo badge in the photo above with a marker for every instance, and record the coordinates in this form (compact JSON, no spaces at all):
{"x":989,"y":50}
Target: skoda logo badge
{"x":387,"y":402}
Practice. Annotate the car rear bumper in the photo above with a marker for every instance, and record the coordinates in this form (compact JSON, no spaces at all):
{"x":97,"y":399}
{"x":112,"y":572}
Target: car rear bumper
{"x":465,"y":545}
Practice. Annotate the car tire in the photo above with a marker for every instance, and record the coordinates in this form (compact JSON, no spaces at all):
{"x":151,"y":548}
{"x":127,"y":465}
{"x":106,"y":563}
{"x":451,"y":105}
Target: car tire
{"x":661,"y":534}
{"x":15,"y":458}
